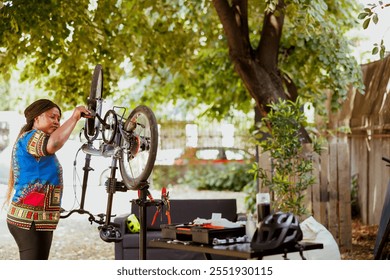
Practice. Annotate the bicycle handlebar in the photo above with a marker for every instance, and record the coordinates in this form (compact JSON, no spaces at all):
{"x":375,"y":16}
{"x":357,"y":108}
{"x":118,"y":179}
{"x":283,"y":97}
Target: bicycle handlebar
{"x":91,"y":217}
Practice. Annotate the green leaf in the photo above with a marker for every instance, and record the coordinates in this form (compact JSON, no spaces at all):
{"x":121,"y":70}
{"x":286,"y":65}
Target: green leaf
{"x":362,"y":15}
{"x":382,"y":52}
{"x":375,"y":50}
{"x":375,"y":18}
{"x":366,"y":23}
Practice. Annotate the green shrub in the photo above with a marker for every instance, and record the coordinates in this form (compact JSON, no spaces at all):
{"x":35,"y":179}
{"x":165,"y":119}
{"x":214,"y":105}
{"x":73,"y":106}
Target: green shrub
{"x":291,"y":172}
{"x":250,"y":198}
{"x":165,"y":175}
{"x":223,"y":177}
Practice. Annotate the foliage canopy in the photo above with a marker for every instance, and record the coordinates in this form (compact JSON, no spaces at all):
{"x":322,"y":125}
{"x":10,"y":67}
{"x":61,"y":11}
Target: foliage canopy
{"x":159,"y":51}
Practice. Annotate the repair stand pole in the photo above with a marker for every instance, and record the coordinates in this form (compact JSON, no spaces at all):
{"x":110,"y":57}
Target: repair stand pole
{"x":143,"y":218}
{"x":87,"y":168}
{"x":143,"y":203}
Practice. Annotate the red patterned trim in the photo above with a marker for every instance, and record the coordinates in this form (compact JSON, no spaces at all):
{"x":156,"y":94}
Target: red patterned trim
{"x":23,"y":218}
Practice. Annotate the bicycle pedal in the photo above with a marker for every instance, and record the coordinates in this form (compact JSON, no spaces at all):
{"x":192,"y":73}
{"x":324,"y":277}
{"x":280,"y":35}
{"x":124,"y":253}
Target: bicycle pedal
{"x":110,"y":233}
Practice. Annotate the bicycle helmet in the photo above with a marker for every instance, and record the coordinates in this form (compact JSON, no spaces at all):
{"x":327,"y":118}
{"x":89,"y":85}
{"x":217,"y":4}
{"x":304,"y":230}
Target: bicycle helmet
{"x":133,"y":223}
{"x":279,"y":229}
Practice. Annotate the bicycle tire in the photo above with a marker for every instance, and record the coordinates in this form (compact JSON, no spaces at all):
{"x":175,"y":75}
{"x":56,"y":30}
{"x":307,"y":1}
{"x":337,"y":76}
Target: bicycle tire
{"x":142,"y":126}
{"x":95,"y":95}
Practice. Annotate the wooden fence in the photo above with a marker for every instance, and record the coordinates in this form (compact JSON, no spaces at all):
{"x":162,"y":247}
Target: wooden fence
{"x":329,"y":199}
{"x":372,"y":174}
{"x":344,"y":166}
{"x":370,"y":138}
{"x":353,"y":161}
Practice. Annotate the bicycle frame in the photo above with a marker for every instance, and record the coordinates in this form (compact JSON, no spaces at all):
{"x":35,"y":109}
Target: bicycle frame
{"x":112,"y":185}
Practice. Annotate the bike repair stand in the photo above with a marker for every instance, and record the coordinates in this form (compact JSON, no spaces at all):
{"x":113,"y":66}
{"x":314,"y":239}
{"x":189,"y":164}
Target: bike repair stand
{"x":143,"y":203}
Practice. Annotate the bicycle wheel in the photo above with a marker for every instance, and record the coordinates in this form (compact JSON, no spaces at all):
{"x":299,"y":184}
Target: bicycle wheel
{"x":139,"y":147}
{"x":94,"y":103}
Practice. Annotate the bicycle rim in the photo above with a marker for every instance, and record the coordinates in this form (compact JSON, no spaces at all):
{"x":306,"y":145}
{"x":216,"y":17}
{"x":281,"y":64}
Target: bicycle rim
{"x":94,"y":104}
{"x":139,"y":156}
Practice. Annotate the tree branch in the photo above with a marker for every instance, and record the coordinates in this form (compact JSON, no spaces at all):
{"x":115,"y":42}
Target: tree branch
{"x":267,"y":51}
{"x":234,"y":20}
{"x":292,"y":91}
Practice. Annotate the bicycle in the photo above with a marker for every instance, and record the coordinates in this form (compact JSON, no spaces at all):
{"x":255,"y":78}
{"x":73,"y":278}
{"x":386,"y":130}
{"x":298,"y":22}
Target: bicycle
{"x":131,"y":143}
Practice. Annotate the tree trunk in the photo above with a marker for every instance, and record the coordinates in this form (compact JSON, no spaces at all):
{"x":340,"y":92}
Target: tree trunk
{"x":257,"y":67}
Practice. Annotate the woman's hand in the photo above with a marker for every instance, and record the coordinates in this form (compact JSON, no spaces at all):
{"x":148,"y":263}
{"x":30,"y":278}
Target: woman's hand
{"x":58,"y":138}
{"x":79,"y":112}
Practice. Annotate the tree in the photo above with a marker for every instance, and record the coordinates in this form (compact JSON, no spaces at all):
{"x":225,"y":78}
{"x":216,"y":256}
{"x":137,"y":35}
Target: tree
{"x":179,"y":50}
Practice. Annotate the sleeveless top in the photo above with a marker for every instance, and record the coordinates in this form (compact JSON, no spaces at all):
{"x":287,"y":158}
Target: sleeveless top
{"x":38,"y":183}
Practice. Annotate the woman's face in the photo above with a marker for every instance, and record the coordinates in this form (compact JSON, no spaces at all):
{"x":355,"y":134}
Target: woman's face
{"x":48,"y":121}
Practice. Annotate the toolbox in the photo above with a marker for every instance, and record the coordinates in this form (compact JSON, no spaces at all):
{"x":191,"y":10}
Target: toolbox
{"x":204,"y":234}
{"x":177,"y":231}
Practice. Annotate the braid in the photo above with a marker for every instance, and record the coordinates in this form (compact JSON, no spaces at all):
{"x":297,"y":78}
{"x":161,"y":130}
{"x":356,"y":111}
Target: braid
{"x":27,"y":127}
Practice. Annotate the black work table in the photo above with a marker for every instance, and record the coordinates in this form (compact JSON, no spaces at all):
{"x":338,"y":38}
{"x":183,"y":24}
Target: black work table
{"x":238,"y":250}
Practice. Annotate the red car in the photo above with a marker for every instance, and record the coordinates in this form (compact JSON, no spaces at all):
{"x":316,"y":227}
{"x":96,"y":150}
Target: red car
{"x":213,"y":155}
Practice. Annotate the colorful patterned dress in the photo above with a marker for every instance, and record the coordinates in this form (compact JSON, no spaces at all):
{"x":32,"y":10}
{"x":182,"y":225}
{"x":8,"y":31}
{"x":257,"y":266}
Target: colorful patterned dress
{"x":38,"y":183}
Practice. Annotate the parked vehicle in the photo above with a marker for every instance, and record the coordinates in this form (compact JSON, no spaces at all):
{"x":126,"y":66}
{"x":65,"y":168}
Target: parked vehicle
{"x":213,"y":155}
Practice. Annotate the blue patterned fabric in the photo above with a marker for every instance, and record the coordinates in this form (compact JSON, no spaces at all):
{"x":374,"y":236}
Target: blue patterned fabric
{"x":38,"y":183}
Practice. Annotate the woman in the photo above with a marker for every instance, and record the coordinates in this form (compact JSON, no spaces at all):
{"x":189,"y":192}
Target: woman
{"x":36,"y":178}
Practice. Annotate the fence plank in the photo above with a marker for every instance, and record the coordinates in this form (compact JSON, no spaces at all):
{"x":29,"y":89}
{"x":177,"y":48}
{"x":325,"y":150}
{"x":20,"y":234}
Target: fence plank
{"x":315,"y":190}
{"x":307,"y":153}
{"x":373,"y":185}
{"x":265,"y":163}
{"x":378,"y":150}
{"x":324,"y":186}
{"x":333,"y":226}
{"x":344,"y":199}
{"x":359,"y":169}
{"x":385,"y":172}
